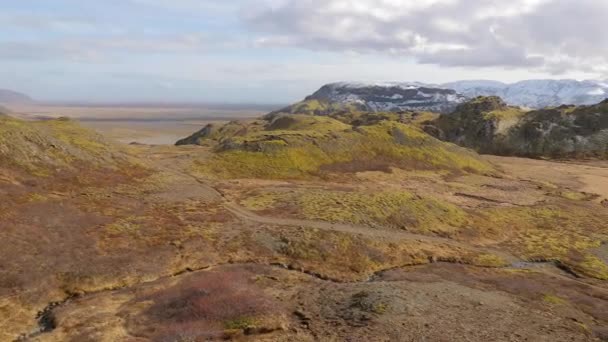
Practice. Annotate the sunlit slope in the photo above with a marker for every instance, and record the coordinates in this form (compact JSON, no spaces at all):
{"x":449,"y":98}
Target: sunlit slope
{"x":296,"y":146}
{"x":48,"y":147}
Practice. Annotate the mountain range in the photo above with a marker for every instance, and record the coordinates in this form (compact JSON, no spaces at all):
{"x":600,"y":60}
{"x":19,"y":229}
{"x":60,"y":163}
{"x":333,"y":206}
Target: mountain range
{"x":535,"y":93}
{"x":444,"y":98}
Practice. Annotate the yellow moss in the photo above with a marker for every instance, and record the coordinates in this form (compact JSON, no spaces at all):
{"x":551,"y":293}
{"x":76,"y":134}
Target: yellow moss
{"x":73,"y":134}
{"x":593,"y":267}
{"x":401,"y":209}
{"x":287,"y":163}
{"x":303,"y":153}
{"x":575,"y":195}
{"x":127,"y":225}
{"x":261,"y":201}
{"x":240,"y":323}
{"x":380,"y":308}
{"x":555,"y":300}
{"x":559,"y":233}
{"x":305,"y":123}
{"x":43,"y":147}
{"x":505,"y":114}
{"x":489,"y":260}
{"x":36,"y":197}
{"x":398,"y":209}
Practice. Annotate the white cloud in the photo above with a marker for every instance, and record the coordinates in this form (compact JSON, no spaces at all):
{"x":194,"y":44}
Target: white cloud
{"x":556,"y":36}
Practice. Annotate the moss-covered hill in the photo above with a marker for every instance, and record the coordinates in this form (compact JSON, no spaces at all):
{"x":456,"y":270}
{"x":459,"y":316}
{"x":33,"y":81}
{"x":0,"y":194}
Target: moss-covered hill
{"x":43,"y":148}
{"x":297,"y":146}
{"x":488,"y":125}
{"x":352,"y":113}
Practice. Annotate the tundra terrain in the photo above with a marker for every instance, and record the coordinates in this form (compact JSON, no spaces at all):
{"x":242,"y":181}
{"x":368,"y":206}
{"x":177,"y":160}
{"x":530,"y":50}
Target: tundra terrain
{"x":299,"y":228}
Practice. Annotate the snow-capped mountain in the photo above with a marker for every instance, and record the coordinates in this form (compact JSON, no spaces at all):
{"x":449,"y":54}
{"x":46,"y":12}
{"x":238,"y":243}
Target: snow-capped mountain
{"x":444,"y":98}
{"x":536,"y":93}
{"x":378,"y":97}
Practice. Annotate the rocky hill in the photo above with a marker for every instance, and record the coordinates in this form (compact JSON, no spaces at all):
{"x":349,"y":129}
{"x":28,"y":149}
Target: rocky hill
{"x":488,"y":125}
{"x":536,"y":93}
{"x":11,"y":97}
{"x":381,"y":97}
{"x":301,"y":146}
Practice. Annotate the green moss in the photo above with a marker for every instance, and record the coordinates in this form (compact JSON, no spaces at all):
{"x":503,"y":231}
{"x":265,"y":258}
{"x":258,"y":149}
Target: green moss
{"x":307,"y":151}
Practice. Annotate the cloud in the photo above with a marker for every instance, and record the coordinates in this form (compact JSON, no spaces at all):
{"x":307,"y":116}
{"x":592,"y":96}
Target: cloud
{"x":555,"y":36}
{"x":104,"y":49}
{"x":217,"y":7}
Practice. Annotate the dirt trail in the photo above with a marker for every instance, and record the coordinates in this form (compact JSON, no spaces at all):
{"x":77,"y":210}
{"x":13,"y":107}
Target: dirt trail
{"x":377,"y":233}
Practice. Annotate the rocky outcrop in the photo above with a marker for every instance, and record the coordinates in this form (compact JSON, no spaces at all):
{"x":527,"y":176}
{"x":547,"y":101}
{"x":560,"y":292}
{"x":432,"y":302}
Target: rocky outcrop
{"x":481,"y":124}
{"x":488,"y":125}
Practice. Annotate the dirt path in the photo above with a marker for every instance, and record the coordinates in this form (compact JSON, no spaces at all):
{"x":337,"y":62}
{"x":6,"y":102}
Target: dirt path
{"x":377,"y":233}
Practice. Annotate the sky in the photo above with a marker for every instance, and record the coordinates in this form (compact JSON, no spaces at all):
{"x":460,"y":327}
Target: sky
{"x":278,"y":51}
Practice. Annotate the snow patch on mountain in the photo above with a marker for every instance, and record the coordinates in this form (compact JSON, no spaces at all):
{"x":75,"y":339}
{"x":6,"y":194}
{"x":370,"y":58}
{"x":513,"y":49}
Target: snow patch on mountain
{"x":390,"y":96}
{"x":536,"y":93}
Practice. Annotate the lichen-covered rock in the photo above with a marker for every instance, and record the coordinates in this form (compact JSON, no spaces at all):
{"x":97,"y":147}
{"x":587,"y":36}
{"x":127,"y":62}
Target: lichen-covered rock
{"x":487,"y":125}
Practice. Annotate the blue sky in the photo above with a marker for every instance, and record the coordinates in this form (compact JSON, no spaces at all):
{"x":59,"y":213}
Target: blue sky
{"x":278,"y":51}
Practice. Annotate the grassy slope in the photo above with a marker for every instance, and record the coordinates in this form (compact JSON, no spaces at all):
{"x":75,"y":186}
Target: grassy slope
{"x":301,"y":146}
{"x":45,"y":147}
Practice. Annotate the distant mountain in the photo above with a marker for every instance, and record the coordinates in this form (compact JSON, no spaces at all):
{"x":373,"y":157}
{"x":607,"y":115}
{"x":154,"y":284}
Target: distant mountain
{"x":11,"y":97}
{"x":378,"y":97}
{"x":444,"y":98}
{"x":536,"y":93}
